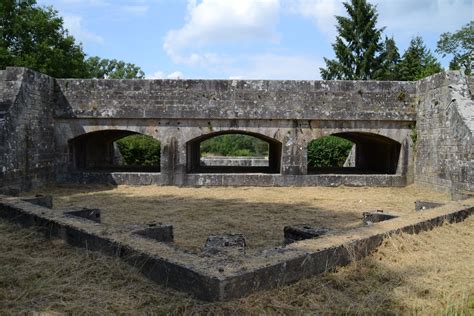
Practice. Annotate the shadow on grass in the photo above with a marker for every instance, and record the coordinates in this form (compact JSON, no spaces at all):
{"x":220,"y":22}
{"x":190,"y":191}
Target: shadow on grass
{"x":194,"y":218}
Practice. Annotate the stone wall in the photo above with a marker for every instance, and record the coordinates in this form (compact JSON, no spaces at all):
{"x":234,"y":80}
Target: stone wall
{"x":237,"y":99}
{"x":27,"y":129}
{"x":41,"y":117}
{"x":235,"y":161}
{"x":445,"y":125}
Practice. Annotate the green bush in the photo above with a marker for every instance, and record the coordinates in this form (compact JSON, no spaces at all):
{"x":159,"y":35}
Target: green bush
{"x":140,"y":150}
{"x":234,"y":145}
{"x":329,"y":151}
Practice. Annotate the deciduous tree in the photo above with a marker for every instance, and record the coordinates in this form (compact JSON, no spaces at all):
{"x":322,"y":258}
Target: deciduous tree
{"x":460,"y":45}
{"x":34,"y":37}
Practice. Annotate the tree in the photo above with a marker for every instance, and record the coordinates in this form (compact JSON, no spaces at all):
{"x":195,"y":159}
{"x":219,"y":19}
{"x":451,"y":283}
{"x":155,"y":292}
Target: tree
{"x":417,"y":62}
{"x":390,"y":58}
{"x":113,"y":69}
{"x":34,"y":37}
{"x":358,"y":46}
{"x":461,"y":45}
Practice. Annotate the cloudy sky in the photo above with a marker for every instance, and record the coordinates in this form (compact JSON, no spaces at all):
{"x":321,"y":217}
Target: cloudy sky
{"x":251,"y":39}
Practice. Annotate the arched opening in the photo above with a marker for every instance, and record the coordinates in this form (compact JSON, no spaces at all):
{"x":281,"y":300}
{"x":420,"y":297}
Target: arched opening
{"x":115,"y":150}
{"x":233,"y":152}
{"x":353,"y":153}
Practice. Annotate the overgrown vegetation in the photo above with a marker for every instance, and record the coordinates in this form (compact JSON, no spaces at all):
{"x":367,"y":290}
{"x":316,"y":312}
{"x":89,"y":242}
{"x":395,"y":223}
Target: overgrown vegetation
{"x":329,"y":151}
{"x":140,"y":150}
{"x":234,"y":145}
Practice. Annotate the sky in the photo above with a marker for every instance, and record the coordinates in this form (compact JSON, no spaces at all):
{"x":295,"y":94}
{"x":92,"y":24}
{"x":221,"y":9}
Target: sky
{"x":241,"y":39}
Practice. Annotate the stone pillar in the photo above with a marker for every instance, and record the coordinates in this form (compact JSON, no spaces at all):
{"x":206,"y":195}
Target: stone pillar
{"x":169,"y":160}
{"x":294,"y":157}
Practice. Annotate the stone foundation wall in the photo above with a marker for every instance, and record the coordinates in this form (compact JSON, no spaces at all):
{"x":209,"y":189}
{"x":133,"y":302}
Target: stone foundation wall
{"x":27,"y":129}
{"x":445,"y":125}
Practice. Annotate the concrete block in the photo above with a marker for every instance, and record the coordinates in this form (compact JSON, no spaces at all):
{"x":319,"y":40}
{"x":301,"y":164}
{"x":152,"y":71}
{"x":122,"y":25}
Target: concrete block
{"x":228,"y":244}
{"x":91,"y":214}
{"x":424,"y":205}
{"x":158,"y":232}
{"x":375,"y":216}
{"x":301,"y":232}
{"x":41,"y":200}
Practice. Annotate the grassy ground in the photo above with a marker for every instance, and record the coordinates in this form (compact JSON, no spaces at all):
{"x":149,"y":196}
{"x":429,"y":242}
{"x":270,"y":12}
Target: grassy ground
{"x":430,"y":273}
{"x":259,"y":213}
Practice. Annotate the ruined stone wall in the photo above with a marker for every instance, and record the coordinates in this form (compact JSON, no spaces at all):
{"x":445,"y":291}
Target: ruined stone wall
{"x":445,"y":126}
{"x":26,"y":128}
{"x":39,"y":116}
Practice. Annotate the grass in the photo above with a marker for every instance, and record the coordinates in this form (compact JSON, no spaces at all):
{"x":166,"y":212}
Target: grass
{"x":430,"y":273}
{"x":258,"y":213}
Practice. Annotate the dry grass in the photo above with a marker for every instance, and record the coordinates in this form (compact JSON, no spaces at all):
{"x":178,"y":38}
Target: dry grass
{"x":427,"y":274}
{"x":259,"y":213}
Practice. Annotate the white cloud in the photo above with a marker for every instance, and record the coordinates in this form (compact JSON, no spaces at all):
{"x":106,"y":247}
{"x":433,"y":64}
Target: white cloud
{"x":322,"y":12}
{"x":218,"y":21}
{"x":163,"y":75}
{"x":407,"y":18}
{"x":281,"y":67}
{"x":74,"y":25}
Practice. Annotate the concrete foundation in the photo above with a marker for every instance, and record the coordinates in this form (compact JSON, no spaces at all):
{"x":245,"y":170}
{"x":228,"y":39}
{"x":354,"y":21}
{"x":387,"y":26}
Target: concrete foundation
{"x":216,"y":278}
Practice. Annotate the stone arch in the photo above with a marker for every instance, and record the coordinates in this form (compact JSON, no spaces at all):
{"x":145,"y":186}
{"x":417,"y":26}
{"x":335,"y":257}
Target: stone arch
{"x":372,"y":154}
{"x":193,"y":154}
{"x":97,"y":150}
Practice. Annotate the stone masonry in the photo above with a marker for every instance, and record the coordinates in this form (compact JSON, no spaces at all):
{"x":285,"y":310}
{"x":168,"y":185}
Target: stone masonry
{"x":63,"y":130}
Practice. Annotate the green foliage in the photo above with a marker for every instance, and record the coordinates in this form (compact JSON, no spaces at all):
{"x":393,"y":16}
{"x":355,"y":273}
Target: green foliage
{"x":34,"y":37}
{"x":461,"y":45}
{"x":329,"y":151}
{"x":112,"y":69}
{"x":140,"y":150}
{"x":234,"y":145}
{"x":358,"y":46}
{"x":389,"y":61}
{"x":417,"y":62}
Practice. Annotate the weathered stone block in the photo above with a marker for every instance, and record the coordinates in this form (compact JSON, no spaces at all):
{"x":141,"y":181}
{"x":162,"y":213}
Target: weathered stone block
{"x":156,"y":231}
{"x":375,"y":216}
{"x":91,"y":214}
{"x":424,"y":205}
{"x":41,"y":200}
{"x":228,"y":244}
{"x":301,"y":232}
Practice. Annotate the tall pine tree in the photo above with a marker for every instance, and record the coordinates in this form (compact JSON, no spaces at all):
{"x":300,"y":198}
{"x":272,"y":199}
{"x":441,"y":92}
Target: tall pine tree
{"x":389,"y":61}
{"x":417,"y":62}
{"x":358,"y":46}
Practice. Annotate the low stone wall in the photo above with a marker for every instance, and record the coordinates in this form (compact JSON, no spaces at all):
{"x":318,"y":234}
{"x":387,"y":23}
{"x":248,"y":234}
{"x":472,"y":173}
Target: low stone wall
{"x":223,"y":277}
{"x":235,"y":161}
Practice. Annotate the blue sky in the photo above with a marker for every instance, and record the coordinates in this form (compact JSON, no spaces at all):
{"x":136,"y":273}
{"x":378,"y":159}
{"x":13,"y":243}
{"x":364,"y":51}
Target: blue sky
{"x":244,"y":39}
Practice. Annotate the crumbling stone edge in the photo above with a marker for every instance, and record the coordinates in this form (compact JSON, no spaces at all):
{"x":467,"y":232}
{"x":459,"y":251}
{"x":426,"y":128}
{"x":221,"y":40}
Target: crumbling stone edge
{"x":217,"y":279}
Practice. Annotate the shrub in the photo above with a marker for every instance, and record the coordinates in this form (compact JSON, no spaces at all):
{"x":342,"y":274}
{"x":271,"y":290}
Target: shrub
{"x":329,"y":151}
{"x":234,"y":145}
{"x":140,"y":150}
